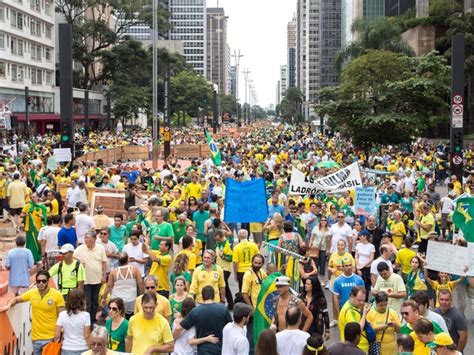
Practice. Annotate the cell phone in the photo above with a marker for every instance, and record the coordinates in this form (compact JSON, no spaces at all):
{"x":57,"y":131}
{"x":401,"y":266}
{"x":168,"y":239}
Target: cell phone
{"x":390,"y":324}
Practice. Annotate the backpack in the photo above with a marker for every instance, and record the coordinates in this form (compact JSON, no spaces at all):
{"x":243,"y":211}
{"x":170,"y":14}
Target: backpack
{"x":60,"y":275}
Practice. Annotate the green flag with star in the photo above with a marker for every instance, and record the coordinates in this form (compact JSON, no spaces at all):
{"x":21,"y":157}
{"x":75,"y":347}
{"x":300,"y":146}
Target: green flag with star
{"x":463,"y":217}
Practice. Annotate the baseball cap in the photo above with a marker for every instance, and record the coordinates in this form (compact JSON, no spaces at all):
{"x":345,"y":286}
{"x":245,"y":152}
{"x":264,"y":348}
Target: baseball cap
{"x":66,"y":248}
{"x":441,"y":339}
{"x":282,"y":281}
{"x":242,"y":309}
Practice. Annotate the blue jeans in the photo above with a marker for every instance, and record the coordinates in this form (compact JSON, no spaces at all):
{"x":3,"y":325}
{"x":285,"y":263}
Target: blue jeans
{"x":38,"y":345}
{"x":92,"y":299}
{"x":72,"y":352}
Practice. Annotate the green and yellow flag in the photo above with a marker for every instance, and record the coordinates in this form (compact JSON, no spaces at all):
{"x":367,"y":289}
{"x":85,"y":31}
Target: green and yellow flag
{"x":463,"y":217}
{"x":264,"y":310}
{"x":215,"y":152}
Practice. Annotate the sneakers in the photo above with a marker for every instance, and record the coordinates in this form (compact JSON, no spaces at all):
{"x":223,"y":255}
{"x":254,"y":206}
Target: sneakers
{"x":333,"y":323}
{"x":327,"y":286}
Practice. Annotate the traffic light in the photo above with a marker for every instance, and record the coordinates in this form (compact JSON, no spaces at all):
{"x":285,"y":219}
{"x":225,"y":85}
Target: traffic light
{"x":66,"y":136}
{"x":458,"y":141}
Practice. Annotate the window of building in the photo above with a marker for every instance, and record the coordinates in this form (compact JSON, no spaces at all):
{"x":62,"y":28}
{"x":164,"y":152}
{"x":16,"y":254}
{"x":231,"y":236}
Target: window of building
{"x":36,"y":76}
{"x":35,"y":5}
{"x":48,"y":31}
{"x":47,"y":54}
{"x":18,"y":73}
{"x":2,"y":40}
{"x":35,"y":28}
{"x":49,"y":78}
{"x":2,"y":13}
{"x":16,"y":46}
{"x":3,"y":69}
{"x":16,"y":19}
{"x":35,"y":52}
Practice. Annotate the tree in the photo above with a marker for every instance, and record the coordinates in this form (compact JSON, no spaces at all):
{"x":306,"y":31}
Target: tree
{"x":97,"y":25}
{"x":290,"y":105}
{"x":382,"y":33}
{"x":386,"y":97}
{"x":228,"y":103}
{"x":188,"y":91}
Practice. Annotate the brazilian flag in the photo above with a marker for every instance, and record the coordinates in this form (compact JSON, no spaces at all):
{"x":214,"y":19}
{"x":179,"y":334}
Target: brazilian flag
{"x":215,"y":152}
{"x":34,"y":220}
{"x":263,"y":315}
{"x":463,"y":217}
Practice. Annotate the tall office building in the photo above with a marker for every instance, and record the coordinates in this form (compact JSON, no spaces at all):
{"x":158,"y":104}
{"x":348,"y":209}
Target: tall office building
{"x":278,"y":93}
{"x":218,"y":56}
{"x":27,"y":56}
{"x":291,"y":55}
{"x":318,"y":39}
{"x":233,"y":80}
{"x":188,"y":21}
{"x":283,"y":80}
{"x":398,"y":7}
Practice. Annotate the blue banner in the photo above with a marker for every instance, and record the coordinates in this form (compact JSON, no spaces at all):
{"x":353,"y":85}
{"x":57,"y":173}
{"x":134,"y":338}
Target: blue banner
{"x":245,"y":201}
{"x":364,"y":201}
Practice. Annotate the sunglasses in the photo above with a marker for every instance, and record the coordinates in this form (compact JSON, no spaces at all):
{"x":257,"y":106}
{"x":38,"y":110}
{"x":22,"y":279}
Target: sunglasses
{"x":405,"y":313}
{"x":115,"y":309}
{"x":340,"y":217}
{"x":150,"y":287}
{"x":42,"y":281}
{"x":102,"y":233}
{"x":324,"y":220}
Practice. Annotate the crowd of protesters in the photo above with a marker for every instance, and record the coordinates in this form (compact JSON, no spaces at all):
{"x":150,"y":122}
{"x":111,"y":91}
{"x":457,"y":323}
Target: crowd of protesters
{"x":156,"y":277}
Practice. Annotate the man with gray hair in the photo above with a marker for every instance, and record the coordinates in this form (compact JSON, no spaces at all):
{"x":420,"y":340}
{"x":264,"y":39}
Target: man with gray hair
{"x":94,"y":260}
{"x":242,"y":256}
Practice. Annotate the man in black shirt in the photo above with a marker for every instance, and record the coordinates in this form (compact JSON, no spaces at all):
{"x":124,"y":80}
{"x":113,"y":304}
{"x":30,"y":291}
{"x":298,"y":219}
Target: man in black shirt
{"x":375,"y":234}
{"x":352,"y":335}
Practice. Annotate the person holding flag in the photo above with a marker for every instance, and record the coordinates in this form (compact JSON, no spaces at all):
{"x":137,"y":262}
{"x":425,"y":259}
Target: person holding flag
{"x":463,"y":217}
{"x":35,"y":215}
{"x":215,"y":152}
{"x":263,"y":315}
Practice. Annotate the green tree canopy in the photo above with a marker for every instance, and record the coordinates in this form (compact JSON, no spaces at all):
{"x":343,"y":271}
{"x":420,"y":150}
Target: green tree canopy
{"x":385,"y":97}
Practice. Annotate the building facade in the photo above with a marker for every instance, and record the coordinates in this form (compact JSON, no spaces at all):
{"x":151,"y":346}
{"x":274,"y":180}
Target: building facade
{"x":283,"y":80}
{"x":218,"y":53}
{"x":291,"y":53}
{"x":233,"y":80}
{"x":27,"y":56}
{"x":188,"y":21}
{"x":318,"y":39}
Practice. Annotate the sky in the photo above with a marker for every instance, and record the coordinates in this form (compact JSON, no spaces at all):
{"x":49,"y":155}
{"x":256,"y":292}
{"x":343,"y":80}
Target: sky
{"x":258,"y":28}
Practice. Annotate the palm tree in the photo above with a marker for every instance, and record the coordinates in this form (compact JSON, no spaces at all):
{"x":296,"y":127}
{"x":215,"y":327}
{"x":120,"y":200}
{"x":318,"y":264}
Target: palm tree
{"x":382,"y":33}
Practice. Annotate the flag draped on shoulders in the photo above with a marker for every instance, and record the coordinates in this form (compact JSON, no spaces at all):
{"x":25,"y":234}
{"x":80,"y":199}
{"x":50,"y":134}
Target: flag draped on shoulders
{"x":35,"y":218}
{"x":215,"y":152}
{"x":463,"y":217}
{"x":263,"y":315}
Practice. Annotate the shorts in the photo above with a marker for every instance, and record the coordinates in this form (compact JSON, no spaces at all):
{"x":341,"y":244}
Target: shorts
{"x":444,"y":220}
{"x":15,"y":211}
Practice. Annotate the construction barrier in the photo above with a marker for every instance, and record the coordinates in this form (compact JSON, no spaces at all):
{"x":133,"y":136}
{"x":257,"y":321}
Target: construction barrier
{"x":135,"y":153}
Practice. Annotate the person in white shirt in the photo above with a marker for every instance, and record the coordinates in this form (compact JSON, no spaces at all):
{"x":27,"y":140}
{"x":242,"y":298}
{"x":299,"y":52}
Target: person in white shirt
{"x":385,"y":252}
{"x":447,"y":206}
{"x":111,"y":250}
{"x":339,"y":230}
{"x":84,"y":223}
{"x":136,"y":257}
{"x":234,"y":335}
{"x":409,"y":182}
{"x":292,"y":340}
{"x":72,"y":196}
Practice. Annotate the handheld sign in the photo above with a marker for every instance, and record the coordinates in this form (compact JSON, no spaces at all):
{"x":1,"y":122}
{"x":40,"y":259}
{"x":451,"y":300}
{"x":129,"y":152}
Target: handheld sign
{"x":245,"y":201}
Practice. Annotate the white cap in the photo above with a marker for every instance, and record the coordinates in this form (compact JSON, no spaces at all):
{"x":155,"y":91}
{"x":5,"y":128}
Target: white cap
{"x":66,"y":248}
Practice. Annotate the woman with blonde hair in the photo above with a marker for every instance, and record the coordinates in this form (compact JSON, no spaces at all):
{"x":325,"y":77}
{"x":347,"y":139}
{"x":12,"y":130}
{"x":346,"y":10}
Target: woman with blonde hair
{"x":274,"y":228}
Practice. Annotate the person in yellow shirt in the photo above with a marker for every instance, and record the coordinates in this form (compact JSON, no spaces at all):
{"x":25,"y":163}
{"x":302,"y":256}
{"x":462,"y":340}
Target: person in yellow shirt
{"x":386,"y":323}
{"x":355,"y":311}
{"x":163,"y":307}
{"x":457,"y":184}
{"x":194,"y":188}
{"x":426,"y":225}
{"x":187,"y":249}
{"x":242,"y":256}
{"x":404,"y":257}
{"x":52,"y":204}
{"x":161,"y":264}
{"x":397,"y":227}
{"x":224,"y":260}
{"x":443,"y":283}
{"x":149,"y":332}
{"x":46,"y":304}
{"x":252,"y":281}
{"x":208,"y":274}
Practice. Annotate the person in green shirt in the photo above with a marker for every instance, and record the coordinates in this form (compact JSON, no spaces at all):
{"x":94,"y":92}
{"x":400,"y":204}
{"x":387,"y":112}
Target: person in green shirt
{"x":199,"y":218}
{"x":179,"y":227}
{"x":116,"y":325}
{"x":118,"y":231}
{"x":70,"y":271}
{"x":160,"y":230}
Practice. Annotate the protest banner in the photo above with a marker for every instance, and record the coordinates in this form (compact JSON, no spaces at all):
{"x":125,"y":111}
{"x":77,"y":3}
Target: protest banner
{"x":345,"y":179}
{"x":245,"y":201}
{"x":364,"y":201}
{"x":448,"y":258}
{"x":52,"y":163}
{"x":62,"y":154}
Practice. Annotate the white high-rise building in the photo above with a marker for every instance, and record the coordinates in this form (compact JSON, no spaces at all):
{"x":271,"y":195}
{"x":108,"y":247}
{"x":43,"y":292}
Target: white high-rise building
{"x":283,"y":80}
{"x":27,"y":56}
{"x":218,"y":52}
{"x":188,"y":21}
